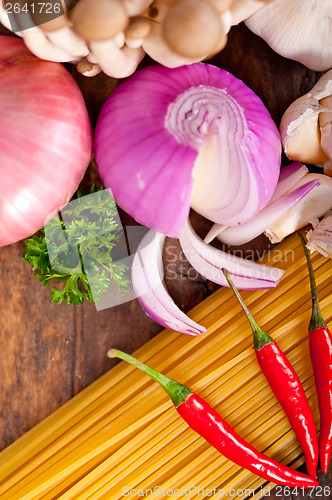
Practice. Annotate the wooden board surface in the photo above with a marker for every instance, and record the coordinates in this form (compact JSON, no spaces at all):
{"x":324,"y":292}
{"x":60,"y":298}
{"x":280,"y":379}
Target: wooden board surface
{"x":50,"y":352}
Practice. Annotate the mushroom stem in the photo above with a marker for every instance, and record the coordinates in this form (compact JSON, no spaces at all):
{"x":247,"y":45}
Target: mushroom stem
{"x":36,"y":41}
{"x":65,"y":39}
{"x":87,"y":68}
{"x":114,"y":61}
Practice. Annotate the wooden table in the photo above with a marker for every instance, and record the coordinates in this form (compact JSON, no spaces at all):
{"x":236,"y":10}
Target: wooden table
{"x":51,"y":352}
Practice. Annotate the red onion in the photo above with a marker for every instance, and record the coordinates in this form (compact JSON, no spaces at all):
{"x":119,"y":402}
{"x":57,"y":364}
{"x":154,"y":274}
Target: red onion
{"x":147,"y":277}
{"x":267,"y":217}
{"x":45,"y":140}
{"x":195,"y":135}
{"x":289,"y":176}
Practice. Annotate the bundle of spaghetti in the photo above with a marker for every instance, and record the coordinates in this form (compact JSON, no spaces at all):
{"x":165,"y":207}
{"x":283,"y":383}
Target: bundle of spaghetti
{"x":121,"y":436}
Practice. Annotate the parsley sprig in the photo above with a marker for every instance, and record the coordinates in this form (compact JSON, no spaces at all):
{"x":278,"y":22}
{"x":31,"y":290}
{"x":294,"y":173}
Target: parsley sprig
{"x":78,"y":249}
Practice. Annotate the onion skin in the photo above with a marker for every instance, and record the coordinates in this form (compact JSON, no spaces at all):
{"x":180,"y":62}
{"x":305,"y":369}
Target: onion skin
{"x":146,"y":156}
{"x":45,"y":140}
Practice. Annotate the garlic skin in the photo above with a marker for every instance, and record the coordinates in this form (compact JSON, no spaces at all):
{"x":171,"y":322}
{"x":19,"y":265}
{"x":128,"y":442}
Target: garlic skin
{"x":306,"y":126}
{"x":313,"y":206}
{"x":298,"y":29}
{"x":320,"y":238}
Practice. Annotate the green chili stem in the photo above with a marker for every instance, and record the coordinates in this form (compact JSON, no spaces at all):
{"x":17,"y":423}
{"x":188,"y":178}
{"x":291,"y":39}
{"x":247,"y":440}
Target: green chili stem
{"x":260,"y":337}
{"x":316,"y":319}
{"x":179,"y":393}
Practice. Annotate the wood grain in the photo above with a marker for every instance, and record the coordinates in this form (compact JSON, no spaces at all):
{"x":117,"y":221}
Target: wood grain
{"x":50,"y":352}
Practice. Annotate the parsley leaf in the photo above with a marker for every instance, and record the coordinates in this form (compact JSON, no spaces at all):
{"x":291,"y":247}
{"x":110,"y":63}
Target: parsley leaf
{"x":78,"y":249}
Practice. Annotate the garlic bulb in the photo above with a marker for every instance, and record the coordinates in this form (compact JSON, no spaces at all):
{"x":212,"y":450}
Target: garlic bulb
{"x":297,"y":29}
{"x":306,"y":126}
{"x":320,"y":238}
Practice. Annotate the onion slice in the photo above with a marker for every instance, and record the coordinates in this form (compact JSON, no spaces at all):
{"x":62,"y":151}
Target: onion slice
{"x":266,"y":217}
{"x":289,"y":176}
{"x":147,"y":280}
{"x":209,"y":261}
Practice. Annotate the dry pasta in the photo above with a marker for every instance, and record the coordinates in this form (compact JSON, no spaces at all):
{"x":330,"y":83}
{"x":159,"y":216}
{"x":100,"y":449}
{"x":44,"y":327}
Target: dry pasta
{"x":122,"y":432}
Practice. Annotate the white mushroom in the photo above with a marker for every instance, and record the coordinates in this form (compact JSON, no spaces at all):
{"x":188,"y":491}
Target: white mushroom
{"x":138,"y":29}
{"x":98,"y":19}
{"x":189,"y":47}
{"x":36,"y":41}
{"x":297,"y":29}
{"x":114,"y":61}
{"x":136,"y":7}
{"x":192,"y":28}
{"x":159,"y":50}
{"x":87,"y":68}
{"x":66,"y":39}
{"x":4,"y":19}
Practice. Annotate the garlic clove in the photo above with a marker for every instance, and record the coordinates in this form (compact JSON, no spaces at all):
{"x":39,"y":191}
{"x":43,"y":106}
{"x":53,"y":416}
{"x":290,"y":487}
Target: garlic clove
{"x":305,"y":127}
{"x":320,"y":238}
{"x":301,"y":137}
{"x":299,"y":29}
{"x":325,"y":128}
{"x":314,"y":205}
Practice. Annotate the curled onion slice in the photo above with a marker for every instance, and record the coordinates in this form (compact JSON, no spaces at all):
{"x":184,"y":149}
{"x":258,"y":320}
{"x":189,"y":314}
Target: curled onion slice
{"x":147,"y":280}
{"x":289,"y":175}
{"x":267,"y":217}
{"x":194,"y":134}
{"x":209,"y":262}
{"x":237,"y":265}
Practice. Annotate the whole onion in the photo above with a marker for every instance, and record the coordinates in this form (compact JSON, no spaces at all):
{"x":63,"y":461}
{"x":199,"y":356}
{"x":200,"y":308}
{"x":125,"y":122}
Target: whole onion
{"x":168,"y":139}
{"x":45,"y":140}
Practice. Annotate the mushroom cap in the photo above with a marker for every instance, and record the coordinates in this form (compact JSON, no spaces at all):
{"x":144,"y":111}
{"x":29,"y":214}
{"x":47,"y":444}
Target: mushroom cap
{"x":53,"y":25}
{"x":192,"y":28}
{"x":139,"y":27}
{"x":98,"y":19}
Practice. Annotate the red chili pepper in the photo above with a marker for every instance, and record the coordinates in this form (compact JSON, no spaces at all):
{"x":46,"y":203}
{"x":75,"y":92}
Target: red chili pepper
{"x":320,"y":347}
{"x":215,"y":430}
{"x":286,"y":386}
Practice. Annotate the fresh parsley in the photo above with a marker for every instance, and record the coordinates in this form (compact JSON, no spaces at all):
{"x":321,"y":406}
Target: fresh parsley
{"x":78,"y":249}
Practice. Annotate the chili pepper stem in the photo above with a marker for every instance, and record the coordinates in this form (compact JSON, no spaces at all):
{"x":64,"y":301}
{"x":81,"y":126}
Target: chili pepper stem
{"x":260,"y":337}
{"x":317,"y":319}
{"x":179,"y":393}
